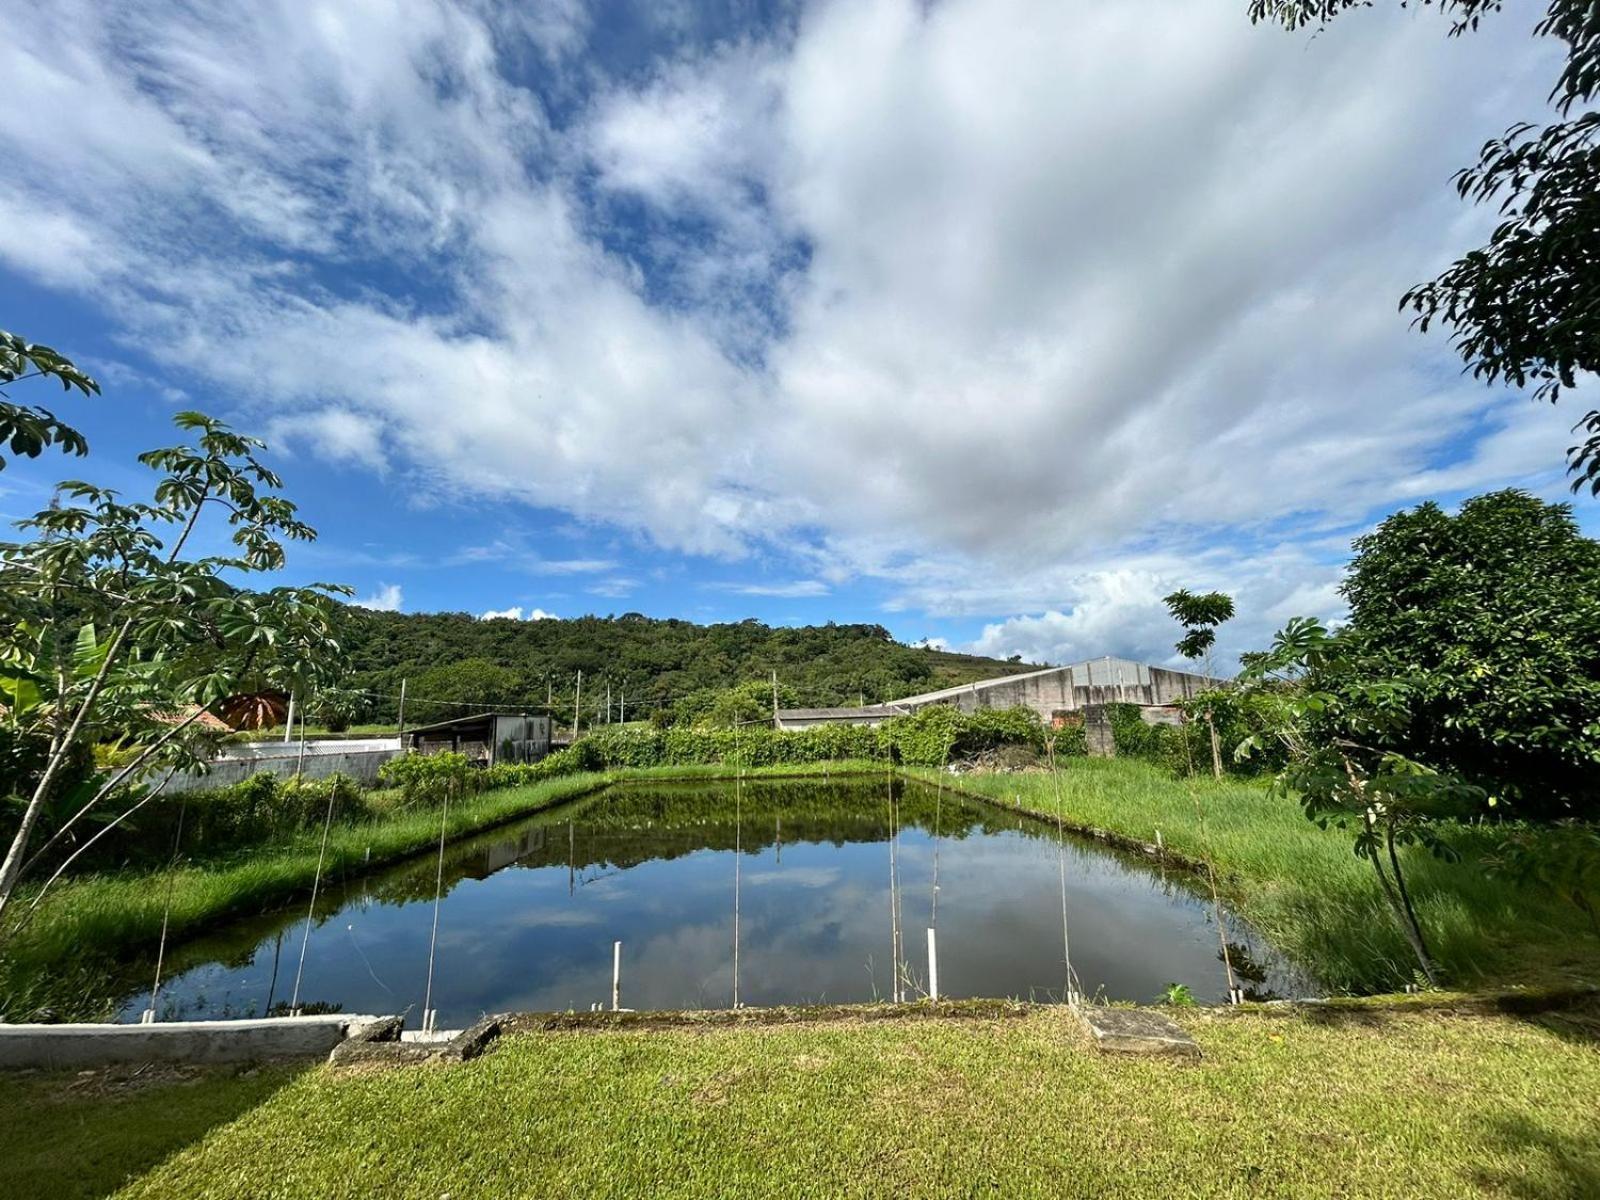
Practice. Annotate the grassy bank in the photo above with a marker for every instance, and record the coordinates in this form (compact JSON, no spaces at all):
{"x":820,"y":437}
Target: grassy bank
{"x":1303,"y":887}
{"x":59,"y":957}
{"x":1352,"y":1104}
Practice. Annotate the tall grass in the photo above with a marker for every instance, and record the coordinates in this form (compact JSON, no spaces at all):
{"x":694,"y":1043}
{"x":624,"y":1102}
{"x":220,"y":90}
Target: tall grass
{"x":1305,"y":890}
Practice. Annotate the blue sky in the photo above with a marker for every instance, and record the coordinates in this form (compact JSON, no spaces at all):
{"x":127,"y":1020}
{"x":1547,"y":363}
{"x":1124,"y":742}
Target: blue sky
{"x":991,"y":321}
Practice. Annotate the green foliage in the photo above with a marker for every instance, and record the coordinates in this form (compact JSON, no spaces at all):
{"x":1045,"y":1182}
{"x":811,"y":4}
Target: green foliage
{"x":1300,"y":887}
{"x":1484,"y":627}
{"x":1178,"y":994}
{"x":464,"y":685}
{"x":338,"y":708}
{"x":27,"y":431}
{"x":107,"y":630}
{"x":1161,"y":744}
{"x":220,"y":820}
{"x":745,"y":704}
{"x":22,"y":760}
{"x":670,"y":671}
{"x":1338,"y":725}
{"x":1563,"y":859}
{"x":930,"y":738}
{"x":428,"y":777}
{"x":1199,"y":613}
{"x":1524,"y":308}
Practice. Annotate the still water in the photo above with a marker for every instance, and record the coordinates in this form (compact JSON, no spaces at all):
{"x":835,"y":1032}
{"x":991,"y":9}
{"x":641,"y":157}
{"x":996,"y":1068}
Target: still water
{"x":529,"y":912}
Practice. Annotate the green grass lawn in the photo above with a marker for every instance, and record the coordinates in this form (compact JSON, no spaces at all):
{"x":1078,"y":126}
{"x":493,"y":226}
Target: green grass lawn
{"x":1351,"y":1104}
{"x":1306,"y":891}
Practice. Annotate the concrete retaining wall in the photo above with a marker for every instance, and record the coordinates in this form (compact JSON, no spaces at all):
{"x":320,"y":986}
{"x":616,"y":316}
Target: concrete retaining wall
{"x":60,"y":1046}
{"x":357,"y":758}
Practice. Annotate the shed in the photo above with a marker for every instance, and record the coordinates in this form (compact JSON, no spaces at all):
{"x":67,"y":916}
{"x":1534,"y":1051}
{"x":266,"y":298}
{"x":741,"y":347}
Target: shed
{"x":486,"y":739}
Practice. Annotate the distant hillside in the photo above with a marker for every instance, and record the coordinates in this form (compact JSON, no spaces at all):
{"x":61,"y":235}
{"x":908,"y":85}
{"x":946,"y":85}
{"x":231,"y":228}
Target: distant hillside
{"x":654,"y":663}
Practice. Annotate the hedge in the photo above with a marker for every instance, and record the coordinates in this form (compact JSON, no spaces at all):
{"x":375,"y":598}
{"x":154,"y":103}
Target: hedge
{"x":267,"y":807}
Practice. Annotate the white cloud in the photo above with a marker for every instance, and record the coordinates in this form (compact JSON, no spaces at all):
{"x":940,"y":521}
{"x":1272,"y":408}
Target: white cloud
{"x":614,"y":588}
{"x":1031,"y":305}
{"x":794,"y":589}
{"x":387,"y":598}
{"x":515,"y":613}
{"x":336,"y":434}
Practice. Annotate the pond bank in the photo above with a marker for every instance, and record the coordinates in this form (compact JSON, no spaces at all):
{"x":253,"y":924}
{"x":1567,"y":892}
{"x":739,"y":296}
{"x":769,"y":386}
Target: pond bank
{"x":1302,"y":887}
{"x":55,"y":960}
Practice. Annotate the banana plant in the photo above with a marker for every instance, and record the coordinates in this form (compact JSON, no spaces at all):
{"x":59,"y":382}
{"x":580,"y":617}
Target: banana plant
{"x":30,"y":678}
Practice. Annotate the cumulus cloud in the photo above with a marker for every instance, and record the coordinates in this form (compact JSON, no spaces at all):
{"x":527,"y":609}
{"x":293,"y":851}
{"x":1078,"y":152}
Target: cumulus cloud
{"x":516,"y":613}
{"x":1019,"y":303}
{"x":386,"y":598}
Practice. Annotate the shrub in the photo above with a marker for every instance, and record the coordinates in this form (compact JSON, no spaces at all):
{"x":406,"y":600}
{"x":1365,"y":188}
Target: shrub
{"x":427,"y":777}
{"x":218,"y":820}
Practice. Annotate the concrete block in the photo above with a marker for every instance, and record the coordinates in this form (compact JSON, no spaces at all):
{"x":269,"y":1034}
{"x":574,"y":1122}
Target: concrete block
{"x":1136,"y":1031}
{"x":58,"y":1046}
{"x":471,"y":1042}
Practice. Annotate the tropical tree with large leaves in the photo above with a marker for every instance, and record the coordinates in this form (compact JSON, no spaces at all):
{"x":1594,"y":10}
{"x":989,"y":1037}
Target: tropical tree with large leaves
{"x":113,"y":627}
{"x":25,"y":429}
{"x":1331,"y":729}
{"x":1464,"y":685}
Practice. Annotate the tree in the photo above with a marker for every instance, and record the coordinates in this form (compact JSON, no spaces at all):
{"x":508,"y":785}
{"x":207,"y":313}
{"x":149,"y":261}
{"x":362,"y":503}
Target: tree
{"x":468,"y":688}
{"x":1333,"y":727}
{"x":1466,"y":683}
{"x":179,"y":636}
{"x":338,"y":708}
{"x":1491,"y":619}
{"x":1524,"y":309}
{"x":1200,"y":614}
{"x":29,"y":430}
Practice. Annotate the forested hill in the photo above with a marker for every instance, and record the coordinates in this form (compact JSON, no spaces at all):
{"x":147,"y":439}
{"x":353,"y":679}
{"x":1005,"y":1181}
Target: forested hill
{"x":654,"y":663}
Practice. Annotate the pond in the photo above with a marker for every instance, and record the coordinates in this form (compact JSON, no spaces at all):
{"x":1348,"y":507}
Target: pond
{"x":822,"y":874}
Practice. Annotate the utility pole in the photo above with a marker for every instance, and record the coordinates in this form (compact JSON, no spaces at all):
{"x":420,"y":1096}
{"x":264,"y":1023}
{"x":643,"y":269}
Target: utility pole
{"x":402,"y":714}
{"x":608,"y":702}
{"x":577,"y":699}
{"x":549,"y":692}
{"x":288,"y":722}
{"x":774,"y":697}
{"x":622,"y":708}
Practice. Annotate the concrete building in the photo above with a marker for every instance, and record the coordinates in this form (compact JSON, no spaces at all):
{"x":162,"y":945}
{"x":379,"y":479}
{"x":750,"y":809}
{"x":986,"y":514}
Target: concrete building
{"x":1052,"y":692}
{"x":1069,"y":689}
{"x":487,"y":738}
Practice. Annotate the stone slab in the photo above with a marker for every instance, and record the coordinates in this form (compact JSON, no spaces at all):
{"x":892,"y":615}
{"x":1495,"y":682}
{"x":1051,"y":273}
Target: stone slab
{"x":1136,"y":1031}
{"x":473,"y":1041}
{"x":97,"y":1045}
